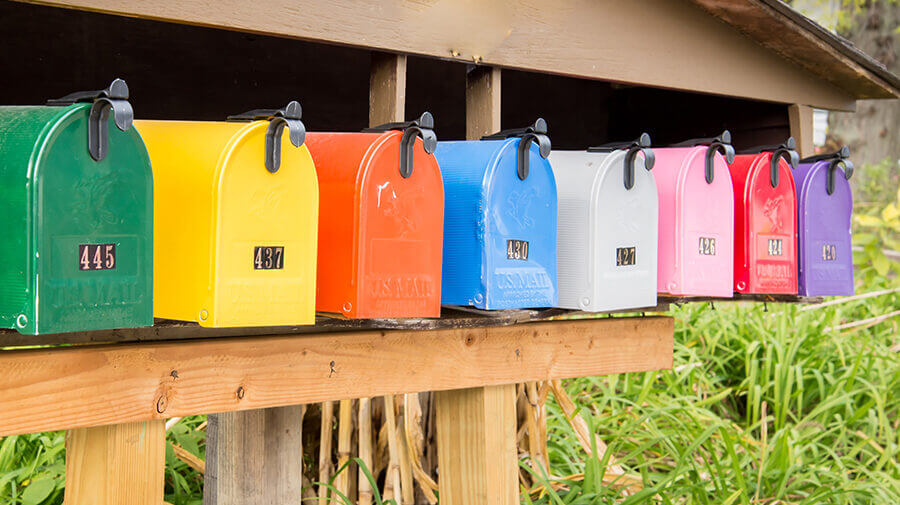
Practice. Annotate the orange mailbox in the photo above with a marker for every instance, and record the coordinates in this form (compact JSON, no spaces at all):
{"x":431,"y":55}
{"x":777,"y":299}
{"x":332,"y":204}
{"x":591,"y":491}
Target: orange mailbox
{"x":381,"y":218}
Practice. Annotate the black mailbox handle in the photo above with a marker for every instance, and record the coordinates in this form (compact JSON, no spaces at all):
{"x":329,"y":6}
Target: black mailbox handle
{"x":641,"y":145}
{"x":114,"y":98}
{"x":786,"y":150}
{"x":838,"y":158}
{"x":422,"y":127}
{"x":720,"y":144}
{"x":279,"y":119}
{"x":533,"y":133}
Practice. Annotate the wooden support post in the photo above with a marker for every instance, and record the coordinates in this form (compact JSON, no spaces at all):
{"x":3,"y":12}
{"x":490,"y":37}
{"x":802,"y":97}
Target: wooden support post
{"x":482,"y":102}
{"x":387,"y":88}
{"x":476,"y":442}
{"x":800,"y":118}
{"x":254,"y":457}
{"x":476,"y":428}
{"x":120,"y":464}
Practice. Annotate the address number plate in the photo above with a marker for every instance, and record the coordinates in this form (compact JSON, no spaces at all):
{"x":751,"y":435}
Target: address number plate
{"x":517,"y":250}
{"x":96,"y":257}
{"x":268,"y":258}
{"x":625,"y":256}
{"x":707,"y":246}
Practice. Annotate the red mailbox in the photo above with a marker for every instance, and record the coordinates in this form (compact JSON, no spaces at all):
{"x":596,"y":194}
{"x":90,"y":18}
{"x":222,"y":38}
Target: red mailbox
{"x":765,"y":220}
{"x":381,"y":219}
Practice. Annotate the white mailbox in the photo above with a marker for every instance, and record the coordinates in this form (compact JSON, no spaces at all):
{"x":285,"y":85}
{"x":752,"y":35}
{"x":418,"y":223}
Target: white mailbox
{"x":607,"y":226}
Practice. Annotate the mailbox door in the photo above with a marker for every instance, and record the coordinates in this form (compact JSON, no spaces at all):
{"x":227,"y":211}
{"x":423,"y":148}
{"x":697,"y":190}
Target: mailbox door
{"x":826,"y":256}
{"x":624,"y":224}
{"x":265,"y":243}
{"x":520,"y":232}
{"x":576,"y":174}
{"x":400,"y":225}
{"x":94,"y":229}
{"x":704,"y":228}
{"x":767,"y":248}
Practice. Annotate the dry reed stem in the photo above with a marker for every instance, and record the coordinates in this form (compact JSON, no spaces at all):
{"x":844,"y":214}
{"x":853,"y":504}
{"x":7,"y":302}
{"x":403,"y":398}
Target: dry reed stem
{"x":414,"y":439}
{"x":365,"y":450}
{"x":865,"y":322}
{"x":325,"y":448}
{"x":345,"y":430}
{"x":392,"y":487}
{"x":847,"y":299}
{"x":191,"y":460}
{"x":407,"y":495}
{"x":615,"y":475}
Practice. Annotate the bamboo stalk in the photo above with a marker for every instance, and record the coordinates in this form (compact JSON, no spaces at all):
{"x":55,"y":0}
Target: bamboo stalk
{"x":345,"y":429}
{"x":392,"y":480}
{"x":407,"y":494}
{"x":415,"y":444}
{"x":365,"y":450}
{"x":325,"y":448}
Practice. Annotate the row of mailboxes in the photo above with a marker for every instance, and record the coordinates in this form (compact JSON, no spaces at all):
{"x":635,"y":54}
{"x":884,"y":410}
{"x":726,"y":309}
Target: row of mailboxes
{"x":252,"y":221}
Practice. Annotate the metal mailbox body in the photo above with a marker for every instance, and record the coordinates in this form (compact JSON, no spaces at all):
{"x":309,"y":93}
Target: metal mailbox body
{"x":825,"y":252}
{"x":696,"y":223}
{"x":221,"y":218}
{"x":58,"y":202}
{"x":488,"y":210}
{"x":379,"y":233}
{"x":765,"y":226}
{"x":607,"y":233}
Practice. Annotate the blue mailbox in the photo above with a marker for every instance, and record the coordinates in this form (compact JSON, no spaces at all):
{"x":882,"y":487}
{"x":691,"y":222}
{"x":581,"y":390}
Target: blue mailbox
{"x":499,"y":220}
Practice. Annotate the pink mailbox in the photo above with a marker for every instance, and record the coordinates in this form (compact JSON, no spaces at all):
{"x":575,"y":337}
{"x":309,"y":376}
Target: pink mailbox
{"x":696,"y":217}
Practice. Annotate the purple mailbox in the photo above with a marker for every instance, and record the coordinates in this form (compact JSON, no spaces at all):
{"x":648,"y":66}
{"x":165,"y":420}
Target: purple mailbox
{"x":825,"y":205}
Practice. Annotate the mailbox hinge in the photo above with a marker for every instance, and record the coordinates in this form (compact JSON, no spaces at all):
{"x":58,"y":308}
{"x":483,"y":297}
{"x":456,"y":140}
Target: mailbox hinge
{"x":422,"y":127}
{"x":278,"y":119}
{"x":641,"y":145}
{"x":534,"y":133}
{"x":841,"y":157}
{"x":720,"y":144}
{"x":114,"y":98}
{"x":788,"y":150}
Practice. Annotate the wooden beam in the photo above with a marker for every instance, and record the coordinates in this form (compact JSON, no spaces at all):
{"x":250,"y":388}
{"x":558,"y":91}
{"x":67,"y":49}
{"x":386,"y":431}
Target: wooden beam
{"x":387,"y":88}
{"x":74,"y":387}
{"x":476,"y":442}
{"x":254,"y":457}
{"x":122,"y":464}
{"x":483,"y":88}
{"x":644,"y":42}
{"x":801,"y":122}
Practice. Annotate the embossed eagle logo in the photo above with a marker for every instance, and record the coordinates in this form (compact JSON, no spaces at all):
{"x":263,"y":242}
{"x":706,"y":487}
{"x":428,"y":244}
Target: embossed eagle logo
{"x":771,"y":211}
{"x":519,"y":203}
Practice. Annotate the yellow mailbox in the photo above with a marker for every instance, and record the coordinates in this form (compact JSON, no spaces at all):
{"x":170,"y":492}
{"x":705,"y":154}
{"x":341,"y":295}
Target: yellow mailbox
{"x":236,"y":213}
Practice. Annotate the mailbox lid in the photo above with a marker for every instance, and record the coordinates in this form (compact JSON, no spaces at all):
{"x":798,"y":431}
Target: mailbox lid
{"x":401,"y":232}
{"x":257,"y":213}
{"x":825,"y":246}
{"x":765,"y":226}
{"x":520,"y":214}
{"x":464,"y":166}
{"x":607,"y":249}
{"x":696,"y":223}
{"x":93,"y":229}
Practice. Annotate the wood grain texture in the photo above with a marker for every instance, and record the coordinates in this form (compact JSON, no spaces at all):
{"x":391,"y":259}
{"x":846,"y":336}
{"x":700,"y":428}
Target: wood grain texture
{"x":483,"y":88}
{"x":74,"y":387}
{"x":665,"y":43}
{"x":387,"y":88}
{"x":801,"y":120}
{"x":121,"y":464}
{"x":254,"y":457}
{"x":476,"y":442}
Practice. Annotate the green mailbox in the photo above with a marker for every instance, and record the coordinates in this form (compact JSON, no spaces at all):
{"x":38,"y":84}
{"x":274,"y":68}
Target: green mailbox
{"x":76,"y":215}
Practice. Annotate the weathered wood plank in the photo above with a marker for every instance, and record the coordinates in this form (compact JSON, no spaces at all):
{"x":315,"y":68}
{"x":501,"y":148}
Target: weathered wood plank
{"x":801,"y":120}
{"x":476,"y":443}
{"x":121,"y":464}
{"x":254,"y":457}
{"x":648,"y":42}
{"x":74,"y":387}
{"x":387,"y":88}
{"x":483,"y":91}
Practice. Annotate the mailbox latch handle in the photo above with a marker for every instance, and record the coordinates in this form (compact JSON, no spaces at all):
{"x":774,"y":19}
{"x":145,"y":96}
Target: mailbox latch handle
{"x":641,"y":145}
{"x":840,"y":157}
{"x":114,"y":98}
{"x":533,"y":133}
{"x":787,"y":150}
{"x":421,"y":127}
{"x":278,"y":119}
{"x":720,"y":144}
